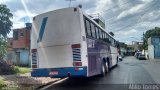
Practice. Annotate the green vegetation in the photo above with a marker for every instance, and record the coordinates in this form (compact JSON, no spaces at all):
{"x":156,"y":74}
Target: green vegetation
{"x":5,"y":22}
{"x":153,"y":32}
{"x":2,"y":83}
{"x":21,"y":70}
{"x":5,"y":28}
{"x":3,"y":47}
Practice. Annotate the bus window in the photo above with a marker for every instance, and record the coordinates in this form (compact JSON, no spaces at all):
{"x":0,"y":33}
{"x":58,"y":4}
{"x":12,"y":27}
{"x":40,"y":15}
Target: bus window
{"x":97,"y":33}
{"x":93,"y":30}
{"x":103,"y":35}
{"x":88,"y":29}
{"x":112,"y":42}
{"x":100,"y":33}
{"x":109,"y":38}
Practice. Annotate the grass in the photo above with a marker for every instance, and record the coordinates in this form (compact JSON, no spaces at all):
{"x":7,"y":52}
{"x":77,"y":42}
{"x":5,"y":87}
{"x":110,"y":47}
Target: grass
{"x":2,"y":83}
{"x":21,"y":70}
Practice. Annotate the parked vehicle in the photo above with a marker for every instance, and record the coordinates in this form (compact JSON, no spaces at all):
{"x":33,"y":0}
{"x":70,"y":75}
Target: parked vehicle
{"x":141,"y":57}
{"x":137,"y":54}
{"x":120,"y":58}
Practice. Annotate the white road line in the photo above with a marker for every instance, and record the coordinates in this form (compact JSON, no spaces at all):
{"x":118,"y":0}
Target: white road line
{"x":59,"y":81}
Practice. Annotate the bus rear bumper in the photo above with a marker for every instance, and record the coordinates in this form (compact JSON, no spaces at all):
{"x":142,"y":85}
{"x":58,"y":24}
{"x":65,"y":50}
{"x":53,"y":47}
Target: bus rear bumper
{"x":60,"y":72}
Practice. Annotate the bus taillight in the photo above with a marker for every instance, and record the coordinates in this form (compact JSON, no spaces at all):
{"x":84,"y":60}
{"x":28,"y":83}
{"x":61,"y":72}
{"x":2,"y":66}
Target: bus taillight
{"x":34,"y":50}
{"x":77,"y":63}
{"x":34,"y":58}
{"x":76,"y":51}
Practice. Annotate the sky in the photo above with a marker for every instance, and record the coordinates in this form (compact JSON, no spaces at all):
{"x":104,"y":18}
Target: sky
{"x":127,"y":19}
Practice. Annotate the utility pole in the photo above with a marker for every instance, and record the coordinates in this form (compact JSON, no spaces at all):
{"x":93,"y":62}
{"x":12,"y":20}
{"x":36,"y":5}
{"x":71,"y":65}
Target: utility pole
{"x":143,"y":43}
{"x":70,"y":2}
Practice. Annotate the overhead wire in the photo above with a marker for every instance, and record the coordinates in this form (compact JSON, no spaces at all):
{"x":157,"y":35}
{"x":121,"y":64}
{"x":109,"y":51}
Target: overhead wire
{"x":138,"y":20}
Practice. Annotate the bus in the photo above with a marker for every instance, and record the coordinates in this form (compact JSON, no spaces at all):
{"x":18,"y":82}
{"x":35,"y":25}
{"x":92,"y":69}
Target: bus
{"x":69,"y":43}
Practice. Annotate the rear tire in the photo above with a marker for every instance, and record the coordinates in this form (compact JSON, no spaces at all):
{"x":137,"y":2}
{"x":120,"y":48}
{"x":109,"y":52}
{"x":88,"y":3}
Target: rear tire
{"x":104,"y":70}
{"x":117,"y":61}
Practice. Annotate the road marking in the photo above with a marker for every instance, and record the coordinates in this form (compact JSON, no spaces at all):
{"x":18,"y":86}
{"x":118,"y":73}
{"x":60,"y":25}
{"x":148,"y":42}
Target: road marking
{"x":59,"y":81}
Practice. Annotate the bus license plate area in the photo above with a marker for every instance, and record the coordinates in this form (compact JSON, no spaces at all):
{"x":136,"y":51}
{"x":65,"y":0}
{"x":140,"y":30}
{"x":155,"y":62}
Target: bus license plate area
{"x":53,"y":73}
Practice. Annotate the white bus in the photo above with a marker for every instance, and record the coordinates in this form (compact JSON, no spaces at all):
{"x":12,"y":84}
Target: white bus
{"x":69,"y":43}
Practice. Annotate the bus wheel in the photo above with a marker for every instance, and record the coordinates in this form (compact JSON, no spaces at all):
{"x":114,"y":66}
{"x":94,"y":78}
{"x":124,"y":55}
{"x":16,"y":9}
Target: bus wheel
{"x":117,"y":61}
{"x":103,"y":70}
{"x":107,"y":68}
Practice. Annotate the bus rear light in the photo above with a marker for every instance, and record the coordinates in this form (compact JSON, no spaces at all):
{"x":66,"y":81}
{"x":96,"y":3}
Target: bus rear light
{"x":34,"y":66}
{"x":76,"y":50}
{"x":77,"y":63}
{"x":34,"y":50}
{"x":78,"y":69}
{"x":76,"y":45}
{"x":34,"y":58}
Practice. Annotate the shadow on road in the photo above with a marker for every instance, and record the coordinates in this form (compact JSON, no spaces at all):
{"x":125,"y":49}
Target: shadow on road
{"x":91,"y":83}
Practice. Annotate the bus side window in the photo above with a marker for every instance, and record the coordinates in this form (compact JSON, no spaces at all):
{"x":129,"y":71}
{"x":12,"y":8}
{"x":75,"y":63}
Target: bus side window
{"x":97,"y":33}
{"x":88,"y":29}
{"x":112,"y":42}
{"x":100,"y":33}
{"x":105,"y":36}
{"x":109,"y":38}
{"x":93,"y":30}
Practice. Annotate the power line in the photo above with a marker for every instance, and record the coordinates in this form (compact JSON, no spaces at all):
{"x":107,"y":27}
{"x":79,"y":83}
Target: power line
{"x":138,"y":20}
{"x":70,"y":2}
{"x":116,"y":6}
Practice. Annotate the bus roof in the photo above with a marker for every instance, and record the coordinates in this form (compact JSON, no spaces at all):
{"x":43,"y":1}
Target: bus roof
{"x":85,"y":14}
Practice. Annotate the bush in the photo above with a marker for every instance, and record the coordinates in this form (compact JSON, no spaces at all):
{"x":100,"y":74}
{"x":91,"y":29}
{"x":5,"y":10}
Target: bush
{"x":2,"y":83}
{"x":5,"y":69}
{"x":21,"y":70}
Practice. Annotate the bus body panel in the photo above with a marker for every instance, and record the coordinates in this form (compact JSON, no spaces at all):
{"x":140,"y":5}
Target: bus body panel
{"x":55,"y":57}
{"x":54,"y":50}
{"x":99,"y":51}
{"x":84,"y":55}
{"x":53,"y":36}
{"x":61,"y":72}
{"x":114,"y":55}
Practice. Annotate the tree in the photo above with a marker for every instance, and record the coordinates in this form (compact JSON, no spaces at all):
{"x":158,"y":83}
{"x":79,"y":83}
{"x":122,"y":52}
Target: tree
{"x":3,"y":47}
{"x":150,"y":33}
{"x":5,"y":22}
{"x":5,"y":28}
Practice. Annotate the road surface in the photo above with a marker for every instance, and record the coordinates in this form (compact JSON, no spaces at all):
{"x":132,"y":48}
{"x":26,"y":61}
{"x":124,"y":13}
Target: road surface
{"x":130,"y":74}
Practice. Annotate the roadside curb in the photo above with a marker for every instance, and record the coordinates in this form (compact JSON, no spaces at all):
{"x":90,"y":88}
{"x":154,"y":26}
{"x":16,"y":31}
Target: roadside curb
{"x":42,"y":86}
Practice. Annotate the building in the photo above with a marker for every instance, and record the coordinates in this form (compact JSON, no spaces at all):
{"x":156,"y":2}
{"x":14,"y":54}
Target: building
{"x":130,"y":50}
{"x":122,"y":47}
{"x":154,"y":47}
{"x":137,"y":46}
{"x":19,"y":45}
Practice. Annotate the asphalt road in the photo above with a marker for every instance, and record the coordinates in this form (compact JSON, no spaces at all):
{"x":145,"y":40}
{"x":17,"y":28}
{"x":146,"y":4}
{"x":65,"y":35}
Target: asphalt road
{"x":130,"y":74}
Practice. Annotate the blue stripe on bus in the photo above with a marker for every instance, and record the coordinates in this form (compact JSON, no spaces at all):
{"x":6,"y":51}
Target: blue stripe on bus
{"x":43,"y":25}
{"x":62,"y":72}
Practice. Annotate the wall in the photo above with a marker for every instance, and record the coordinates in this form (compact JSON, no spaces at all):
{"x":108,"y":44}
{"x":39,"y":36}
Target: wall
{"x":123,"y":52}
{"x":19,"y":57}
{"x":151,"y":51}
{"x":22,"y":41}
{"x":24,"y":57}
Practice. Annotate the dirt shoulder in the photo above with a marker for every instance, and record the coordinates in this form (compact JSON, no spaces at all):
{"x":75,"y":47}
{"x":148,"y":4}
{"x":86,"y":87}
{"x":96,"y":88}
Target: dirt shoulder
{"x":25,"y":81}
